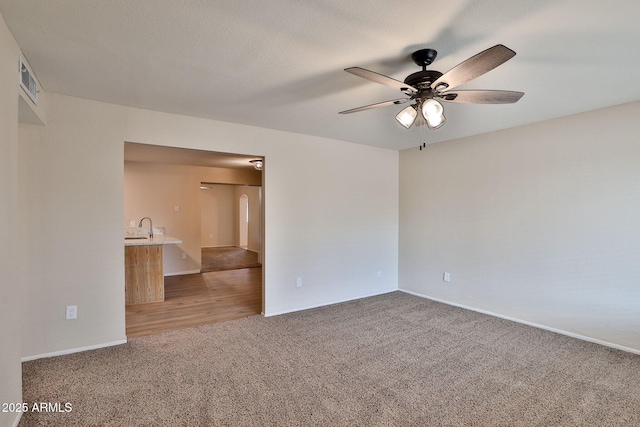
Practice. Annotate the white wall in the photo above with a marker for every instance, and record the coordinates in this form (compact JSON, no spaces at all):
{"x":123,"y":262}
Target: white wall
{"x":218,"y":216}
{"x":71,"y":180}
{"x":331,"y":208}
{"x":10,"y":287}
{"x":331,"y":216}
{"x":539,"y":223}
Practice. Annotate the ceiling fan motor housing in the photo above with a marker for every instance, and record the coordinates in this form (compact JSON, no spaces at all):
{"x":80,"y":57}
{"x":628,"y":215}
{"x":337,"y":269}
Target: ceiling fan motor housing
{"x":422,"y":79}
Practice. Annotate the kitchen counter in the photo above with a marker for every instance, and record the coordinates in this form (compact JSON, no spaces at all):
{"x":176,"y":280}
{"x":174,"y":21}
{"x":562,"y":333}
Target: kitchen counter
{"x":143,"y":268}
{"x":162,"y":239}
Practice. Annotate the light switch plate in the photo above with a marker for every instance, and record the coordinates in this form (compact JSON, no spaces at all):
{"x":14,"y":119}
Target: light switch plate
{"x":72,"y":312}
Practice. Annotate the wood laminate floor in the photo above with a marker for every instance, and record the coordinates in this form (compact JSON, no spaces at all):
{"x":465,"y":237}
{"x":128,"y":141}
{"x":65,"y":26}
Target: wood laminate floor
{"x":198,"y":299}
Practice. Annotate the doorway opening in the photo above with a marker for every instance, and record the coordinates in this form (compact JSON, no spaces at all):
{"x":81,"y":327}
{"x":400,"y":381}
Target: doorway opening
{"x":231,"y":226}
{"x":175,"y":177}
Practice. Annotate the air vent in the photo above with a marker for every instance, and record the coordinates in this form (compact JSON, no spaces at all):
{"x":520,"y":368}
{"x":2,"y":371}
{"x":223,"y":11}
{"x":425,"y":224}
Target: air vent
{"x":28,"y":81}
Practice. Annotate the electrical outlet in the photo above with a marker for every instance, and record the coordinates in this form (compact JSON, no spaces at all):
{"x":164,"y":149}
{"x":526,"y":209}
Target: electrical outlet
{"x":133,"y":222}
{"x":379,"y":274}
{"x":447,"y":276}
{"x":176,"y":208}
{"x":298,"y":282}
{"x":184,"y":255}
{"x":72,"y":312}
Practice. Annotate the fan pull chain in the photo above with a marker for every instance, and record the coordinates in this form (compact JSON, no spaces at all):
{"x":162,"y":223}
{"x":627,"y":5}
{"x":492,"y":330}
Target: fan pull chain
{"x":423,"y":136}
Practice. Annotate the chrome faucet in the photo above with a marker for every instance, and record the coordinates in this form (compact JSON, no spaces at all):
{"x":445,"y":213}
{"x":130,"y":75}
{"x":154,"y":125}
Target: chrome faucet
{"x":150,"y":226}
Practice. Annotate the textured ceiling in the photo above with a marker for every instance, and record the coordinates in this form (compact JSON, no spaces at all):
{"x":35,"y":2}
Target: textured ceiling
{"x":279,"y":64}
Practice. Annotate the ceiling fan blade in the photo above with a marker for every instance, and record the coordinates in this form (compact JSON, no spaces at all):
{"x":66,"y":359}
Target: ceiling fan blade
{"x":379,"y":104}
{"x":482,"y":96}
{"x":381,"y":79}
{"x":475,"y":66}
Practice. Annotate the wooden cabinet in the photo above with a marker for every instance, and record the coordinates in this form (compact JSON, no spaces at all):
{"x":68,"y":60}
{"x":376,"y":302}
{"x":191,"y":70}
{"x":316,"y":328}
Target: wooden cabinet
{"x":143,"y":274}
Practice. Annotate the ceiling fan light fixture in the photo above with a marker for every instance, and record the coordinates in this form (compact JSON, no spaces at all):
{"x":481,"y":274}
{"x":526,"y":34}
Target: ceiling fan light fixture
{"x":433,"y":111}
{"x":424,"y":88}
{"x":431,"y":108}
{"x":407,"y":116}
{"x":436,"y":122}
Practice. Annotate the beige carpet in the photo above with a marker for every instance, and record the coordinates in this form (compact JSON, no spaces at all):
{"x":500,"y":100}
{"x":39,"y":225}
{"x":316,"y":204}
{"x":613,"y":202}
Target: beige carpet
{"x":390,"y":360}
{"x":228,"y":258}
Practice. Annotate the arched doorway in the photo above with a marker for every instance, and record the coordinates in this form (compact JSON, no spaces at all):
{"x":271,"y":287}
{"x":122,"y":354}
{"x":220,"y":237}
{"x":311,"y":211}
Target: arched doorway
{"x":243,"y":221}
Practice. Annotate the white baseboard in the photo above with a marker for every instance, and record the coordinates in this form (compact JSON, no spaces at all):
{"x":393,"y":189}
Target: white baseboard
{"x":17,"y":420}
{"x":73,"y":350}
{"x":308,"y":307}
{"x":525,"y":322}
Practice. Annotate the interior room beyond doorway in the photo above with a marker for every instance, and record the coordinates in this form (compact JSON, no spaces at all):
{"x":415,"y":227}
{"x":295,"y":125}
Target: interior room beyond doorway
{"x":166,"y":184}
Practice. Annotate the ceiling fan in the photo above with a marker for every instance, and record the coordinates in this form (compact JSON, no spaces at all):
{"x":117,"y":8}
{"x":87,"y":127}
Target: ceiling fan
{"x":425,"y":88}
